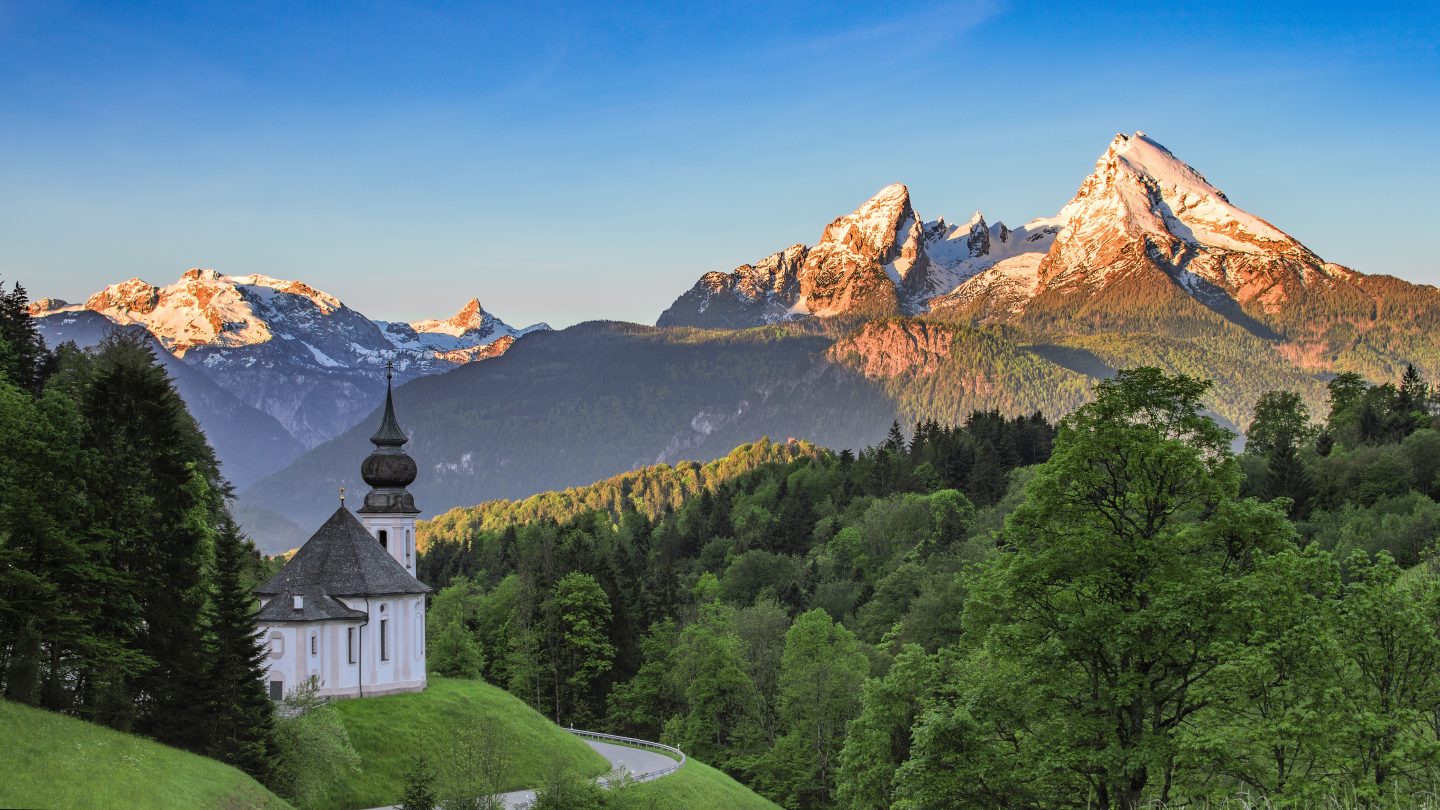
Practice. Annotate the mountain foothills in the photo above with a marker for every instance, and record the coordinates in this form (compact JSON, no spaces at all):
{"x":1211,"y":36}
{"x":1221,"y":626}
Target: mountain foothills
{"x":281,"y":348}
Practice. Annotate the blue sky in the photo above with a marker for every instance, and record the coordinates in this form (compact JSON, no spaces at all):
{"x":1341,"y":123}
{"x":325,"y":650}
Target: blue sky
{"x":566,"y":162}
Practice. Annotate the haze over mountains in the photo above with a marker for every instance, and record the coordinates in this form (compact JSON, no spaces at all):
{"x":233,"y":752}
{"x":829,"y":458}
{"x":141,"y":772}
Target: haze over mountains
{"x":886,"y":316}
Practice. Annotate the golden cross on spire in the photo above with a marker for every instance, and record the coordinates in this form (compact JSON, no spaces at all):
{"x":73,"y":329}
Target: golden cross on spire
{"x":342,"y":496}
{"x":389,"y":369}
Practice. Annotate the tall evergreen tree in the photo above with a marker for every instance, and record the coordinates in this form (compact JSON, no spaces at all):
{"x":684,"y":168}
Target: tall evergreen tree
{"x":241,"y":716}
{"x":23,"y":357}
{"x":157,"y":496}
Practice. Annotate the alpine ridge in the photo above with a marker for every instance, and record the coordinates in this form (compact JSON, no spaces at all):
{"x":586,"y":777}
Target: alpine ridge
{"x":283,"y":347}
{"x":1148,"y":251}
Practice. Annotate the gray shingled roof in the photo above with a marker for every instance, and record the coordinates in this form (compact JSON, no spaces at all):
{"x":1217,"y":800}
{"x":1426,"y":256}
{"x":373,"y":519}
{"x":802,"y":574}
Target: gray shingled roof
{"x":341,"y":559}
{"x":316,"y":605}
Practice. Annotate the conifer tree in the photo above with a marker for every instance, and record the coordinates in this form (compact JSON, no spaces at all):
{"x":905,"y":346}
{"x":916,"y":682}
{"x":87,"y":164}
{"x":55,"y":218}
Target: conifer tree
{"x":241,"y":716}
{"x":23,"y":356}
{"x":156,"y":498}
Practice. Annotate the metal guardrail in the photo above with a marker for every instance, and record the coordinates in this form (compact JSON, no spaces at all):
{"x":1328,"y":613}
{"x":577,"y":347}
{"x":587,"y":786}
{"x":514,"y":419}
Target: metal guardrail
{"x":637,"y":743}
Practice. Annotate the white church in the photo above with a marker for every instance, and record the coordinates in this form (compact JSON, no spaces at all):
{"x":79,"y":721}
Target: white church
{"x":347,"y":609}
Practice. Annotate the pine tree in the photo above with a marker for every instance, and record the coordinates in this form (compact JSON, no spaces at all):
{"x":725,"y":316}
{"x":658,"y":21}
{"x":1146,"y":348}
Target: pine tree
{"x":156,"y":500}
{"x":1288,"y":479}
{"x":241,"y":717}
{"x":23,"y":356}
{"x":419,"y":787}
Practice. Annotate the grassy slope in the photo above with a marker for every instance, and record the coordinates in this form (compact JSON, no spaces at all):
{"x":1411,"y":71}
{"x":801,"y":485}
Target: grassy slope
{"x":50,"y":760}
{"x":387,"y":731}
{"x":696,"y":786}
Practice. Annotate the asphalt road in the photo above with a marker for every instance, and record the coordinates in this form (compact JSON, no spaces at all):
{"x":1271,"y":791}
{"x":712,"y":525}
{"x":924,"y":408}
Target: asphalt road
{"x":635,"y":761}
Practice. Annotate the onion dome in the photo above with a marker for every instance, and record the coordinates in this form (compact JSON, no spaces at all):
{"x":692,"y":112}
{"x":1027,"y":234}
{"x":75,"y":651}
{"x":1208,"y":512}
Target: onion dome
{"x":388,"y":469}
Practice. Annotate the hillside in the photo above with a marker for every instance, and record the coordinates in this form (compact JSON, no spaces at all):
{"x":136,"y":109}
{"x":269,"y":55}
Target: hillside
{"x":568,"y":408}
{"x":651,"y":491}
{"x":388,"y":732}
{"x":696,"y":786}
{"x":50,"y":760}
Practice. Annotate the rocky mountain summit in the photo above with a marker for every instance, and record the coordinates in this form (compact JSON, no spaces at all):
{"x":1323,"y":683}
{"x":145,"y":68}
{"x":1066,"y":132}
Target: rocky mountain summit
{"x":1147,"y":248}
{"x":881,"y":259}
{"x":284,"y":348}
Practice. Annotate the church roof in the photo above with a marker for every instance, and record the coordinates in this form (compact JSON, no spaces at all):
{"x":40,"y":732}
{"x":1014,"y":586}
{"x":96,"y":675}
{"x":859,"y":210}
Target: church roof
{"x":389,"y":433}
{"x":341,"y":559}
{"x":315,"y":605}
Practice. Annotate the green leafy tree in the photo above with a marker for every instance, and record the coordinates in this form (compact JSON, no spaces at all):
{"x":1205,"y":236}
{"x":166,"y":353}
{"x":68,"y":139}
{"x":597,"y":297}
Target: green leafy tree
{"x":1391,"y":655}
{"x":1116,"y":596}
{"x":879,"y":740}
{"x":577,"y":642}
{"x":1276,"y":693}
{"x":314,"y":750}
{"x":1281,"y":418}
{"x":821,"y":675}
{"x":454,"y":652}
{"x":720,"y":719}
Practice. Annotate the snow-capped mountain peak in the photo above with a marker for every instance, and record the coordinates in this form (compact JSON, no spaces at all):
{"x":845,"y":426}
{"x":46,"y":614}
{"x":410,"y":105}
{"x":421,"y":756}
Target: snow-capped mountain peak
{"x":471,"y":317}
{"x":273,"y":341}
{"x":1141,"y":187}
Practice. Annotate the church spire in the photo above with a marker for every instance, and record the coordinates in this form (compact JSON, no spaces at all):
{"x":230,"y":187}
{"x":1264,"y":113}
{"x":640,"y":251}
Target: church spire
{"x":389,"y":433}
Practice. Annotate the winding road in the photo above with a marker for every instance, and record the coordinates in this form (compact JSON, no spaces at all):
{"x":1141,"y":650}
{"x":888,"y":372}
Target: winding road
{"x":640,"y":764}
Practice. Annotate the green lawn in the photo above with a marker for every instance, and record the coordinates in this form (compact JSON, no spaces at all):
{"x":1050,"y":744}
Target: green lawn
{"x":49,"y":760}
{"x":696,"y":786}
{"x":388,"y":731}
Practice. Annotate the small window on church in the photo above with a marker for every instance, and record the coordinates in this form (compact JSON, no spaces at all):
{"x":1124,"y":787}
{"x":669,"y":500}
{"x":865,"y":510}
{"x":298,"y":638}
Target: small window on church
{"x":384,"y":538}
{"x":384,"y":647}
{"x":350,"y":643}
{"x":277,"y":690}
{"x":314,"y":644}
{"x":277,"y":645}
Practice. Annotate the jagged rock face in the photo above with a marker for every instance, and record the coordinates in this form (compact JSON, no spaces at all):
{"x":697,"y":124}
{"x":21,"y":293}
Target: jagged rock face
{"x":287,"y":349}
{"x":749,"y":295}
{"x":870,"y":262}
{"x":890,"y":348}
{"x":1147,"y":242}
{"x":881,"y":259}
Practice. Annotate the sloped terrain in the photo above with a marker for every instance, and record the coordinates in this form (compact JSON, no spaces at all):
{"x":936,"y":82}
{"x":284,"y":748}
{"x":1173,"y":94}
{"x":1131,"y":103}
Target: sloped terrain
{"x":50,"y":760}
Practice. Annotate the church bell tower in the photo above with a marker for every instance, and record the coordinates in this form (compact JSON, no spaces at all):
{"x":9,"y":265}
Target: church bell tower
{"x":389,"y":511}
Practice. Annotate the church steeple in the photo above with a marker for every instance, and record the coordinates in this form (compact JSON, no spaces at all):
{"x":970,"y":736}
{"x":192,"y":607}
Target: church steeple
{"x":389,"y":433}
{"x":388,"y":469}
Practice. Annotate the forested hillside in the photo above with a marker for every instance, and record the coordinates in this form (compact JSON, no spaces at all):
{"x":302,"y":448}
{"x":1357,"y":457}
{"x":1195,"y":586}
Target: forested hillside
{"x":651,"y":490}
{"x":1000,"y":614}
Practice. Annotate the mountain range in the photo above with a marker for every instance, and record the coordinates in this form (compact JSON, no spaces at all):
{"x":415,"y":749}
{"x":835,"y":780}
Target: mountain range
{"x":281,"y":350}
{"x":887,"y":315}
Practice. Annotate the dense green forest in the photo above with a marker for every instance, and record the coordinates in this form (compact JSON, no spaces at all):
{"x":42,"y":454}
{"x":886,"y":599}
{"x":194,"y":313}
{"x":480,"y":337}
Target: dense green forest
{"x":1114,"y":611}
{"x":124,"y":585}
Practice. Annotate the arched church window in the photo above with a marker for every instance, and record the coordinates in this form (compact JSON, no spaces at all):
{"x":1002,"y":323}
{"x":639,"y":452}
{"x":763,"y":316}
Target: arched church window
{"x":384,"y":538}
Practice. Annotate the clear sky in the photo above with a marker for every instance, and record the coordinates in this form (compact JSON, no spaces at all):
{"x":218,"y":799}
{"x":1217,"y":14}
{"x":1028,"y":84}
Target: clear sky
{"x":566,"y":162}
